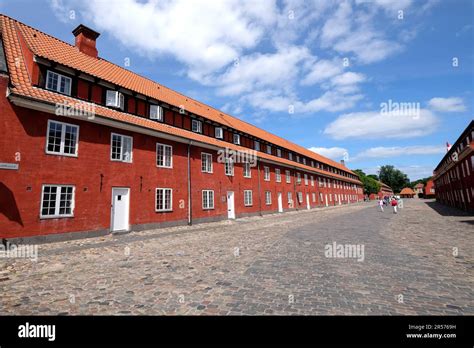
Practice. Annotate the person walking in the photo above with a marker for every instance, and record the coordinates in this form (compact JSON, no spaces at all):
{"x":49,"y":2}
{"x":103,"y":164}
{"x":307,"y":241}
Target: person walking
{"x":381,"y":205}
{"x":394,"y":205}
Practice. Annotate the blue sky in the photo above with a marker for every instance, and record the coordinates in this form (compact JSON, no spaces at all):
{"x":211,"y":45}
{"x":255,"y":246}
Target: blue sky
{"x":320,"y":73}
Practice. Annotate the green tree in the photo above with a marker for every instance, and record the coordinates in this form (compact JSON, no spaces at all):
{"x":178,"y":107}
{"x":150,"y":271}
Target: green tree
{"x":370,"y":184}
{"x":393,"y":177}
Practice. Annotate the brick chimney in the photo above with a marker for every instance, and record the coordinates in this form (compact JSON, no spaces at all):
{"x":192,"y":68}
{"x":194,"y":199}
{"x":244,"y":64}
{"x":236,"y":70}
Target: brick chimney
{"x":85,"y":40}
{"x":343,"y":162}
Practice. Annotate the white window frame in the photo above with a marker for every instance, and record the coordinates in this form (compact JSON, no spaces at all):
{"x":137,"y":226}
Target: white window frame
{"x":306,"y":179}
{"x":248,"y":199}
{"x":298,"y":178}
{"x":266,"y":173}
{"x":279,"y":152}
{"x":277,"y":175}
{"x":219,"y":132}
{"x":208,"y":194}
{"x":314,"y":197}
{"x":236,"y":139}
{"x":289,"y":197}
{"x":288,"y":176}
{"x":228,"y":166}
{"x":159,"y":112}
{"x":247,"y":170}
{"x":268,"y":198}
{"x":269,"y":149}
{"x":121,"y":148}
{"x":300,"y":197}
{"x":60,"y":78}
{"x":164,"y":155}
{"x":312,"y":180}
{"x":164,"y":189}
{"x":196,"y":126}
{"x":119,"y":99}
{"x":290,"y":156}
{"x":206,"y":163}
{"x":56,"y":214}
{"x":63,"y":137}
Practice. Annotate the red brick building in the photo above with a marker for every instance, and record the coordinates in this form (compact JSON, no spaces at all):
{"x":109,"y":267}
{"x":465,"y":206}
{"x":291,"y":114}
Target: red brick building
{"x":454,"y":175}
{"x":384,"y":191}
{"x":430,"y":189}
{"x":91,"y":147}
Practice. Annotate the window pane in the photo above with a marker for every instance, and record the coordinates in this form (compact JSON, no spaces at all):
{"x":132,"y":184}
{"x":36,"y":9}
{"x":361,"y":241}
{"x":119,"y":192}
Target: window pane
{"x":65,"y":85}
{"x":127,"y":149}
{"x":52,"y":82}
{"x":54,"y":137}
{"x":70,"y":139}
{"x":168,"y":156}
{"x":116,"y":147}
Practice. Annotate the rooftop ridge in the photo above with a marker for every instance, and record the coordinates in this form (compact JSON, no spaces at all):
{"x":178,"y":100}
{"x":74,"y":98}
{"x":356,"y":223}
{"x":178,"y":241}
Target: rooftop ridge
{"x":311,"y":154}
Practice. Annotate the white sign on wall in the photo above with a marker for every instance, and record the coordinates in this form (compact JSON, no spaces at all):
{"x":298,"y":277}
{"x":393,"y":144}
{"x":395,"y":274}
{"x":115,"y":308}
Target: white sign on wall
{"x":11,"y":166}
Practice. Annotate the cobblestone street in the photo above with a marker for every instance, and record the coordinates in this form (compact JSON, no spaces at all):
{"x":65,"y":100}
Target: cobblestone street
{"x":274,"y":264}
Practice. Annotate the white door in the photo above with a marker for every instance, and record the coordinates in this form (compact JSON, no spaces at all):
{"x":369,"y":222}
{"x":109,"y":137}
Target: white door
{"x":307,"y":202}
{"x":230,"y":205}
{"x":120,"y":209}
{"x":280,"y":203}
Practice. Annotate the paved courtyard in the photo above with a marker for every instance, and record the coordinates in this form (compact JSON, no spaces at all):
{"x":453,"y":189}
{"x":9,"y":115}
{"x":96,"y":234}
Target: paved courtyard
{"x":272,"y":265}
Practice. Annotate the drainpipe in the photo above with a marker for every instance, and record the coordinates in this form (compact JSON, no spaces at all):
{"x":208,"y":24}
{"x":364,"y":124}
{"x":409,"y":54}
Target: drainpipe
{"x":294,"y":189}
{"x":259,"y":189}
{"x":190,"y":220}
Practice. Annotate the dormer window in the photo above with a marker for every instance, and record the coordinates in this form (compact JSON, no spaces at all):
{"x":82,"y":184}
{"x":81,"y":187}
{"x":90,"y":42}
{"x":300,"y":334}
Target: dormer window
{"x":58,"y":83}
{"x":290,"y":156}
{"x":304,"y":160}
{"x":219,"y":133}
{"x":196,"y":126}
{"x":297,"y":158}
{"x":156,"y":113}
{"x":257,"y":146}
{"x":269,"y":149}
{"x":237,"y":139}
{"x":115,"y":99}
{"x":279,"y":152}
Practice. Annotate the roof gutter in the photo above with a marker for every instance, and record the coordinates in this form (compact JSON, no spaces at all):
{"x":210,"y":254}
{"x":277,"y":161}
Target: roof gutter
{"x":50,"y":108}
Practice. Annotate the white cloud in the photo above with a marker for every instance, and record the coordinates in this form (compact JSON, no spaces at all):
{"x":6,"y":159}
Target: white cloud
{"x":351,"y":30}
{"x":272,"y":41}
{"x":335,"y":153}
{"x":261,"y":70}
{"x":348,"y":78}
{"x":205,"y":37}
{"x":453,"y":104}
{"x":373,"y":124}
{"x":322,"y":70}
{"x":338,"y":25}
{"x":395,"y":151}
{"x":277,"y":102}
{"x":390,"y":5}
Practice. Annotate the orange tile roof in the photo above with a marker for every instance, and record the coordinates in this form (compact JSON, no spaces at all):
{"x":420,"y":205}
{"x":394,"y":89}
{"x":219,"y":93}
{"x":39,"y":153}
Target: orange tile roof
{"x":384,"y":185}
{"x":407,"y":191}
{"x":53,"y":49}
